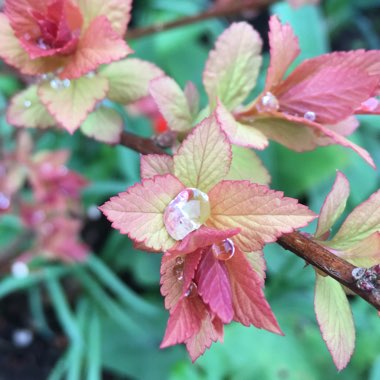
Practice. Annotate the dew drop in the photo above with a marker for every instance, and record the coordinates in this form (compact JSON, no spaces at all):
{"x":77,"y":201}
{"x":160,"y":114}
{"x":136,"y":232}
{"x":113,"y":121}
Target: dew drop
{"x":19,"y":269}
{"x":22,"y":338}
{"x":4,"y":202}
{"x":66,"y":83}
{"x":27,"y":103}
{"x":358,"y":273}
{"x":93,"y":213}
{"x":223,"y":250}
{"x":268,"y":103}
{"x":179,"y":260}
{"x":178,"y":271}
{"x":42,"y":44}
{"x":192,"y":290}
{"x":310,"y":116}
{"x":55,"y":84}
{"x":186,"y":213}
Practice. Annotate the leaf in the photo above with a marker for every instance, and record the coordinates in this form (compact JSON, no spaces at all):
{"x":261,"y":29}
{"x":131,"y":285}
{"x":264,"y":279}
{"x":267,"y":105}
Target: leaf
{"x":172,"y":103}
{"x":262,"y":214}
{"x":26,"y":110}
{"x":239,"y":133}
{"x":211,"y":330}
{"x":14,"y":54}
{"x":156,"y":164}
{"x":200,"y":238}
{"x":214,"y":287}
{"x":117,"y":12}
{"x":335,"y":319}
{"x":258,"y":264}
{"x":364,"y":253}
{"x":284,"y":49}
{"x":204,"y":158}
{"x":363,"y":221}
{"x":332,"y":88}
{"x":184,"y":321}
{"x":99,"y":45}
{"x":250,"y":305}
{"x":192,"y":97}
{"x":71,"y":105}
{"x":129,"y":79}
{"x":138,"y":212}
{"x":247,"y":165}
{"x":104,"y":124}
{"x":334,"y":205}
{"x":233,"y":66}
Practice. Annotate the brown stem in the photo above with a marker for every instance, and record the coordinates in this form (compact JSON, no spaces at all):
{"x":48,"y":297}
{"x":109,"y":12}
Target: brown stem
{"x":231,"y":9}
{"x":327,"y":262}
{"x":295,"y":242}
{"x":140,"y":144}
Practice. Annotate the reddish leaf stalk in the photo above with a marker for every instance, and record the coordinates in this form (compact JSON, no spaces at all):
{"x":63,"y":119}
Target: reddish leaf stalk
{"x":214,"y":12}
{"x":295,"y":242}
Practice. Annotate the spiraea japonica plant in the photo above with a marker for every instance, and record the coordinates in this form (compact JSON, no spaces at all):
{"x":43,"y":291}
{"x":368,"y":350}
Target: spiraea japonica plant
{"x":201,"y":200}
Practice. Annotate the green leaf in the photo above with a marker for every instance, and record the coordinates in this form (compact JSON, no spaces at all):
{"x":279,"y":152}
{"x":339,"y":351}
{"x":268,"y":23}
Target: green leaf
{"x":129,"y":79}
{"x":335,"y":319}
{"x":104,"y":125}
{"x":233,"y":66}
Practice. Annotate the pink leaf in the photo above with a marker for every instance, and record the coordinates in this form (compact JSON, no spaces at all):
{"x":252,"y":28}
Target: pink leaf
{"x":184,"y":322}
{"x":332,"y":89}
{"x":138,"y":212}
{"x":204,"y":158}
{"x":239,"y":133}
{"x":334,"y":205}
{"x":100,"y":44}
{"x":156,"y":164}
{"x":258,"y":264}
{"x":211,"y":331}
{"x":202,"y":237}
{"x":284,"y":49}
{"x":262,"y":214}
{"x":249,"y":303}
{"x":214,"y":287}
{"x":335,"y":319}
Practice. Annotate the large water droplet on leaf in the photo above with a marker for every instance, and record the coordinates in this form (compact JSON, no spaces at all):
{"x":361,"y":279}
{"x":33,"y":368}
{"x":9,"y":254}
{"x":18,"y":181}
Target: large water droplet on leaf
{"x":186,"y":213}
{"x":268,"y":103}
{"x":223,"y":250}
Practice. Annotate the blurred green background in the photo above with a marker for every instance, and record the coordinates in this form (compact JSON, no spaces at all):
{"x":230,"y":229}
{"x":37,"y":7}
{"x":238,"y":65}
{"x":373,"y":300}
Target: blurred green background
{"x":122,"y":318}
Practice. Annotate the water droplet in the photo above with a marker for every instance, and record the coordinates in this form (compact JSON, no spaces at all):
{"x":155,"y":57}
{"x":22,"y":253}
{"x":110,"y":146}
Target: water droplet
{"x":4,"y":202}
{"x":370,"y":105}
{"x":186,"y":213}
{"x":358,"y":273}
{"x":178,"y":271}
{"x":93,"y":213}
{"x":223,"y":250}
{"x":192,"y":290}
{"x":179,"y":260}
{"x":310,"y":115}
{"x":42,"y":44}
{"x":19,"y":269}
{"x":66,"y":83}
{"x":268,"y":103}
{"x":55,"y":84}
{"x":22,"y":337}
{"x":27,"y":103}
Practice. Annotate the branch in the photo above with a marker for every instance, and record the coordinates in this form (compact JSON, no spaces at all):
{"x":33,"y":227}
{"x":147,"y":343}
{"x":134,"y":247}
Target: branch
{"x":295,"y":242}
{"x":230,"y":9}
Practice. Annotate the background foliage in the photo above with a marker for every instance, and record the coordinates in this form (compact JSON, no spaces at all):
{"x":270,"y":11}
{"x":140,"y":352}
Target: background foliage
{"x":116,"y":323}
